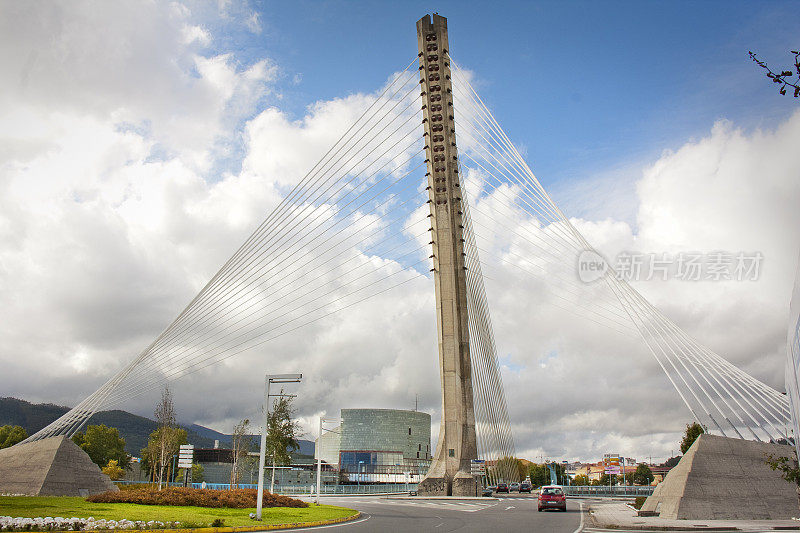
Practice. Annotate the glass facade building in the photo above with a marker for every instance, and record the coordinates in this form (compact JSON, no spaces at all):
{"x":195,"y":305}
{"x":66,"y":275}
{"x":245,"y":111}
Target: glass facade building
{"x":380,"y":442}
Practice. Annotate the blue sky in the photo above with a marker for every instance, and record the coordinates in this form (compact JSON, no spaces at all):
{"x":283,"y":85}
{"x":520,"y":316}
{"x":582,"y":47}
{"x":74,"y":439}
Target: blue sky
{"x":586,"y":88}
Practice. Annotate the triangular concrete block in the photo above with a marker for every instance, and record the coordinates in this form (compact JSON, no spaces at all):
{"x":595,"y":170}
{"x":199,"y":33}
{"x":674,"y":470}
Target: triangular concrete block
{"x":50,"y":467}
{"x":723,"y":478}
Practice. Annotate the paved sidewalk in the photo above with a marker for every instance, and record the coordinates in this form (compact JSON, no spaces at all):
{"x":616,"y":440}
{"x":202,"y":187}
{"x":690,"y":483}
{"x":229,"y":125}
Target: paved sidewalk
{"x":619,"y":516}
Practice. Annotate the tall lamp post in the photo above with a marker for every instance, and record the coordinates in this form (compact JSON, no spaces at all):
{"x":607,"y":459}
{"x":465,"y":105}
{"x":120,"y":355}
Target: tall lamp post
{"x":269,"y":379}
{"x":319,"y":452}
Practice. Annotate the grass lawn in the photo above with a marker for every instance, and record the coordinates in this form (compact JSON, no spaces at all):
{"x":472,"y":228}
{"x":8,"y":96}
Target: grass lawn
{"x":33,"y":506}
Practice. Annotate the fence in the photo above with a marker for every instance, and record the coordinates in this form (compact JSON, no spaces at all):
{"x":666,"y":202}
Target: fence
{"x":603,"y":491}
{"x":381,"y":488}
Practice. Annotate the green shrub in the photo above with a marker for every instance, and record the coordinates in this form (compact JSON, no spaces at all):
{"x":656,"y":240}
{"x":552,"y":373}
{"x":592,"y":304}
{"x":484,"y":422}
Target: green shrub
{"x":234,"y":499}
{"x":639,"y":501}
{"x":218,"y":522}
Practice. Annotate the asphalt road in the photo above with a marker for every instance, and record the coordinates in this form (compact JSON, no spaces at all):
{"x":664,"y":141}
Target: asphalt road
{"x":507,"y":513}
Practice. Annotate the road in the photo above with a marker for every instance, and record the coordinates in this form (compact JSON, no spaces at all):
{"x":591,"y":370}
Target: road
{"x":507,"y":513}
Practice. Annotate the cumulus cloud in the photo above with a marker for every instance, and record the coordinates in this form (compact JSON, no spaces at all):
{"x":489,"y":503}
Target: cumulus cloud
{"x":115,"y":210}
{"x":731,"y":190}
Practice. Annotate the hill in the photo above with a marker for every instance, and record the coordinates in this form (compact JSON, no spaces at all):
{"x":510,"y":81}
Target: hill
{"x":133,"y":428}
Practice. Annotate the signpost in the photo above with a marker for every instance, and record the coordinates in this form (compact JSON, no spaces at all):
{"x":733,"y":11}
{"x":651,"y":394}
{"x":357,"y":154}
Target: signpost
{"x":269,"y":380}
{"x":185,"y":457}
{"x":611,"y":465}
{"x":477,"y":468}
{"x":318,"y":451}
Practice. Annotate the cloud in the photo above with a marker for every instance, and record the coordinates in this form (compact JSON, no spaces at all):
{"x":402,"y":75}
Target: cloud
{"x":134,"y":160}
{"x":731,"y":190}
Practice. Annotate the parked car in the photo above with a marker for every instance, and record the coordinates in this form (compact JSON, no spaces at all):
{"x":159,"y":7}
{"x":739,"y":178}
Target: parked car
{"x":487,"y":491}
{"x":525,"y":487}
{"x":552,"y":497}
{"x":514,"y":487}
{"x":502,"y":487}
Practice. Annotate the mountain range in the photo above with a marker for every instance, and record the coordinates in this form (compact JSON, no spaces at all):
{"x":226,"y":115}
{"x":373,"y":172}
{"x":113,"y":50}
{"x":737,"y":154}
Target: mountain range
{"x":134,"y":429}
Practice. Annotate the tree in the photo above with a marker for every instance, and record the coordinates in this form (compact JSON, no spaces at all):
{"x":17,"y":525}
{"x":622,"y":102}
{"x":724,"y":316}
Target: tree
{"x":198,"y":475}
{"x":113,"y":470}
{"x":643,"y":475}
{"x":580,"y":479}
{"x":11,"y":435}
{"x":605,"y":478}
{"x":693,"y":431}
{"x":790,"y":471}
{"x":783,"y":77}
{"x":165,"y":417}
{"x":540,"y":473}
{"x":508,"y":469}
{"x":103,"y":444}
{"x":152,"y":461}
{"x":240,"y":443}
{"x":282,"y":430}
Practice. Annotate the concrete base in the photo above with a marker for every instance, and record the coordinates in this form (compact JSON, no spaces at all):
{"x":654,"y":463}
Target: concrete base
{"x":465,"y":485}
{"x":462,"y":484}
{"x":50,"y":467}
{"x":433,"y":486}
{"x":721,"y":478}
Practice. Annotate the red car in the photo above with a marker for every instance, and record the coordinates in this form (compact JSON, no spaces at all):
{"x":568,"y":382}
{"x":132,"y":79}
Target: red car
{"x":552,"y":497}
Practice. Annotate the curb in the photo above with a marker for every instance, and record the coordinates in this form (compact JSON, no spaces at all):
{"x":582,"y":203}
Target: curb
{"x":595,"y":524}
{"x":236,"y":529}
{"x":448,"y":498}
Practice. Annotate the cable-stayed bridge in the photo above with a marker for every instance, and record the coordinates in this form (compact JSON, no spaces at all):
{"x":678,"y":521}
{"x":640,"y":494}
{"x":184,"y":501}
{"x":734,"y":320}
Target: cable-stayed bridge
{"x":366,"y":219}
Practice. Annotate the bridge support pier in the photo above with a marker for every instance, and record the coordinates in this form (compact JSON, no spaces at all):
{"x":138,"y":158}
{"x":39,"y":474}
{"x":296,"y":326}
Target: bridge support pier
{"x":457,"y":445}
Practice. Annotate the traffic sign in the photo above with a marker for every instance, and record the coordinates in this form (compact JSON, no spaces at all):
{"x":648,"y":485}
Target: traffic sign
{"x":185,"y":455}
{"x":611,"y":463}
{"x":478,"y":467}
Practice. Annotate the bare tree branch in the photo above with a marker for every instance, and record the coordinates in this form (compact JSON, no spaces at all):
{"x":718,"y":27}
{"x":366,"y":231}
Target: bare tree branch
{"x":783,"y":77}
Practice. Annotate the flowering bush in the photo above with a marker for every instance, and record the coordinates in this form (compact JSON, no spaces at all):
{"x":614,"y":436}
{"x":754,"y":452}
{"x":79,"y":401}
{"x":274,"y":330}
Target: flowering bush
{"x":8,"y":523}
{"x":235,"y":499}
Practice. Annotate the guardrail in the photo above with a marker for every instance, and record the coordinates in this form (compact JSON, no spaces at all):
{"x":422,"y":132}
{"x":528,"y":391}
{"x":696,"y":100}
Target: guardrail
{"x":382,"y":488}
{"x":602,"y":491}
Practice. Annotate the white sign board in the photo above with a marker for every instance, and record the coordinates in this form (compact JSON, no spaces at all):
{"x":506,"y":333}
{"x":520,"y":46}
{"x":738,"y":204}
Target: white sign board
{"x":185,"y":456}
{"x":478,"y":467}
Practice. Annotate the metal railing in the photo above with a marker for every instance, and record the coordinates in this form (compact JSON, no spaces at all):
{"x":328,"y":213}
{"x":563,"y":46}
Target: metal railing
{"x":301,"y":489}
{"x":603,"y":491}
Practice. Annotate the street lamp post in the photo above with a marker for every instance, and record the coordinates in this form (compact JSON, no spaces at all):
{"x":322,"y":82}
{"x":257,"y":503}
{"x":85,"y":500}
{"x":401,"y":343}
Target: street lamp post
{"x":358,"y":483}
{"x":269,"y":379}
{"x":319,"y":453}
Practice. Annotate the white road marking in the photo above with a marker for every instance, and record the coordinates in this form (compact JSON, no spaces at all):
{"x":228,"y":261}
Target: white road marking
{"x":510,"y":507}
{"x":334,"y":525}
{"x":580,"y":527}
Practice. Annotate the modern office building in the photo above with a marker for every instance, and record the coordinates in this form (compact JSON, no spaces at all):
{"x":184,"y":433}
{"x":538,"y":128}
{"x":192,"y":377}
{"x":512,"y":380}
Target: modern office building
{"x":379,"y":445}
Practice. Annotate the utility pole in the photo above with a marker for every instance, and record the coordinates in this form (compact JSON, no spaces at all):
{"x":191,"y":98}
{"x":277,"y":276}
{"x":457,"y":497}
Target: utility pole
{"x":450,"y":472}
{"x":318,"y":451}
{"x":319,"y":459}
{"x":269,"y":379}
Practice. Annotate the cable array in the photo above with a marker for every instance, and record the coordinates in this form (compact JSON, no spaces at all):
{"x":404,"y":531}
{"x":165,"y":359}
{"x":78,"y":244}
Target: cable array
{"x":492,"y":424}
{"x":342,"y":235}
{"x":511,"y":206}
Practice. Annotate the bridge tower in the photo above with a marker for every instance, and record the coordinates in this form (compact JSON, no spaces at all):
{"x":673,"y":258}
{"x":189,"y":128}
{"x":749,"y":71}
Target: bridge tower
{"x":457,"y":445}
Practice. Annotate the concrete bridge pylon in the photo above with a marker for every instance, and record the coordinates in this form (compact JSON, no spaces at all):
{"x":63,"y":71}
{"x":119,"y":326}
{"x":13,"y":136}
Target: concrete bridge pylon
{"x":457,"y":444}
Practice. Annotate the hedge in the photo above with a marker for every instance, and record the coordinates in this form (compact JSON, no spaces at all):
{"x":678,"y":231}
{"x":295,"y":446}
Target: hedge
{"x":236,"y":498}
